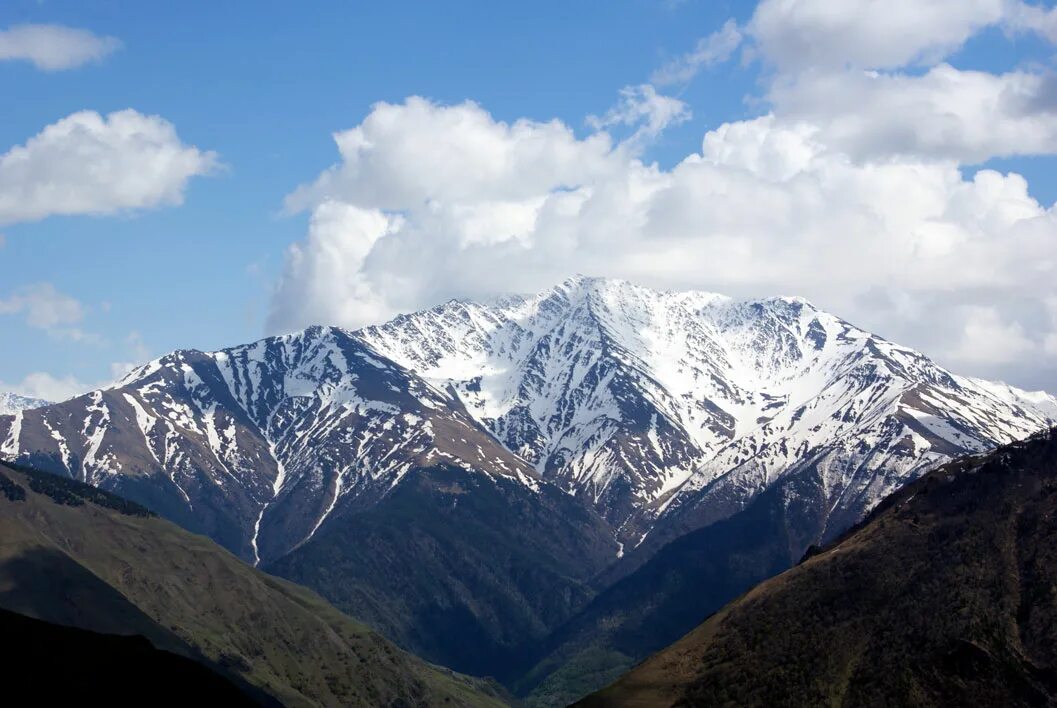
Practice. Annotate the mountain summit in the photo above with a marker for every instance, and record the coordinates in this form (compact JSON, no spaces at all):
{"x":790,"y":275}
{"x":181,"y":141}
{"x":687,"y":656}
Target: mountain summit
{"x":654,"y":404}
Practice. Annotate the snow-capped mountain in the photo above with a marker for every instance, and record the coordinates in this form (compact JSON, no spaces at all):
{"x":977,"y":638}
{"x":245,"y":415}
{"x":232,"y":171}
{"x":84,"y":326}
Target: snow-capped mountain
{"x":318,"y":458}
{"x":647,"y":406}
{"x":652,"y":403}
{"x":466,"y":478}
{"x":12,"y":403}
{"x":257,"y":445}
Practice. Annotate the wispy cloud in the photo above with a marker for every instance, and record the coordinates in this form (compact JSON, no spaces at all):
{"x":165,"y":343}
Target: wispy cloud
{"x":43,"y":307}
{"x":711,"y":50}
{"x":642,"y":106}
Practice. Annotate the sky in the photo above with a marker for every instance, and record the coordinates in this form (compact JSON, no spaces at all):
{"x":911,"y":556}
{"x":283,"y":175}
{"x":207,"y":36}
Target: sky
{"x":200,"y":175}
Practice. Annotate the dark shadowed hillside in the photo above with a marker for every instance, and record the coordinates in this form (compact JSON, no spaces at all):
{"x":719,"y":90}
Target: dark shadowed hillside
{"x":946,"y":596}
{"x":685,"y":582}
{"x":458,"y":568}
{"x":75,"y":556}
{"x":66,"y":665}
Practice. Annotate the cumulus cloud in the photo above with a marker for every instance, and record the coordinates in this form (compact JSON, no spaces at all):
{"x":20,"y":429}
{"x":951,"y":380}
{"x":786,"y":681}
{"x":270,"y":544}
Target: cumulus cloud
{"x":849,"y":190}
{"x":54,"y":47}
{"x":797,"y":34}
{"x":1023,"y":17}
{"x":945,"y":113}
{"x":90,"y":164}
{"x":415,"y":152}
{"x":830,"y":226}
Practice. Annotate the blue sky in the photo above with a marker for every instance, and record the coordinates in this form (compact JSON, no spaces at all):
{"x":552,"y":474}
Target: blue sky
{"x":264,"y":85}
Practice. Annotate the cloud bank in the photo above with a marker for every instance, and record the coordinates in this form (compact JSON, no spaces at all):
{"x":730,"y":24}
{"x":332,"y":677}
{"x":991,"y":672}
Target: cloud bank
{"x":850,"y":190}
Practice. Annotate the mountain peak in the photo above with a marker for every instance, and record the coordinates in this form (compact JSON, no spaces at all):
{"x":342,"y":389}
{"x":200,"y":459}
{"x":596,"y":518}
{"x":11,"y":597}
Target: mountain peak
{"x":644,"y":399}
{"x":13,"y":403}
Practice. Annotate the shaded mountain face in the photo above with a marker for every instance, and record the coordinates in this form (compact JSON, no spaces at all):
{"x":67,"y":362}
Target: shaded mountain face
{"x":672,"y":410}
{"x":75,"y":556}
{"x":12,"y":403}
{"x":675,"y":590}
{"x":461,"y":568}
{"x":63,"y":666}
{"x":944,"y":597}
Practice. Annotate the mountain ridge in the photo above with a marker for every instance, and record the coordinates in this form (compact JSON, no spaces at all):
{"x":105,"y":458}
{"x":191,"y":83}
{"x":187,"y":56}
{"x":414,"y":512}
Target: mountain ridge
{"x":592,"y":424}
{"x":942,"y":597}
{"x":720,"y":376}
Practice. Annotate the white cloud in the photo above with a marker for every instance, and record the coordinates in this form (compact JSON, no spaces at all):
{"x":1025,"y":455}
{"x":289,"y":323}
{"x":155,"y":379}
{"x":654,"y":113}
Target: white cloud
{"x":43,"y":307}
{"x":54,"y":47}
{"x":1049,"y":344}
{"x":711,"y":50}
{"x":969,"y":116}
{"x":1024,"y":17}
{"x":986,"y":337}
{"x":849,"y":191}
{"x":90,"y":164}
{"x":326,"y":277}
{"x":795,"y":34}
{"x":41,"y":384}
{"x":412,"y":153}
{"x":642,"y":106}
{"x":765,"y":208}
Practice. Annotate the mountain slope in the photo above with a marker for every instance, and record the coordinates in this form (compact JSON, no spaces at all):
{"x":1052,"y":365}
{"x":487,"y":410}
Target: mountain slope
{"x":945,"y":597}
{"x":271,"y":447}
{"x":460,"y":569}
{"x":257,"y":445}
{"x":673,"y":592}
{"x":72,"y":555}
{"x":493,"y":466}
{"x":40,"y":652}
{"x":674,"y":409}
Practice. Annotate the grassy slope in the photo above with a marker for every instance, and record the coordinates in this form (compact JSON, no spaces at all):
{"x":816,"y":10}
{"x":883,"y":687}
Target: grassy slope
{"x":184,"y":591}
{"x":947,"y":596}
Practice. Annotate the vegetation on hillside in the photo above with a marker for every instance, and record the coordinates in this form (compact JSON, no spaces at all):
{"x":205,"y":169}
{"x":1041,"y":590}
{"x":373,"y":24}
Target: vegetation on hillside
{"x":102,"y":569}
{"x":946,"y":597}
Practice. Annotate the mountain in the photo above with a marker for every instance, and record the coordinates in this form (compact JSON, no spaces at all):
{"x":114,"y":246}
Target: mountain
{"x":671,"y":410}
{"x":38,"y":653}
{"x":469,"y":478}
{"x":671,"y":593}
{"x":256,"y":446}
{"x":317,"y":458}
{"x":12,"y":403}
{"x":459,"y":568}
{"x":945,"y":597}
{"x":75,"y":556}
